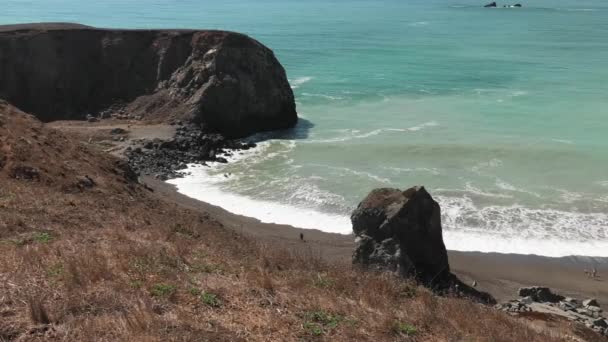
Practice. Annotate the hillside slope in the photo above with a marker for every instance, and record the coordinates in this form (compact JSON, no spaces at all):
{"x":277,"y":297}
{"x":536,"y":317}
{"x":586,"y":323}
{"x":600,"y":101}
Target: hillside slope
{"x":90,"y":254}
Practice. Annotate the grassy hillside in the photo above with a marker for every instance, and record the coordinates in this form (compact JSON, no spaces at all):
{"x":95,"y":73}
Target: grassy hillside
{"x":88,"y":254}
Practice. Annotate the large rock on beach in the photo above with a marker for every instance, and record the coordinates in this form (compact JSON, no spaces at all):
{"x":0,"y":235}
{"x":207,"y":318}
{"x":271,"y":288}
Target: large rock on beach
{"x":227,"y":82}
{"x":400,"y":231}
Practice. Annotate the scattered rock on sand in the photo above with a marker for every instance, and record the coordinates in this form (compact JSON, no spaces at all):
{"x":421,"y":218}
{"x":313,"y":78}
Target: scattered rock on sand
{"x":543,"y":300}
{"x":540,"y":294}
{"x":164,"y":159}
{"x":590,"y":302}
{"x":117,"y":131}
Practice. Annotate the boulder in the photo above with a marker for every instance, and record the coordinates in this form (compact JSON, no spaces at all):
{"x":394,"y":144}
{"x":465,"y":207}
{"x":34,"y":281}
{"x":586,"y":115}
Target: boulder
{"x":491,"y":4}
{"x":600,"y":322}
{"x":116,"y":131}
{"x":225,"y":81}
{"x":23,"y":172}
{"x":590,"y":302}
{"x":85,"y":182}
{"x":540,"y":294}
{"x":400,"y":231}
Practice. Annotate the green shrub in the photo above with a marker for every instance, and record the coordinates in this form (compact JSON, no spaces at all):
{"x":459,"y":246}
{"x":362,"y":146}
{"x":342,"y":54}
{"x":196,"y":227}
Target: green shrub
{"x":211,"y":299}
{"x":404,"y":329}
{"x":136,"y":284}
{"x":195,"y":292}
{"x":162,"y":290}
{"x":320,"y":322}
{"x":323,"y":281}
{"x":42,"y":237}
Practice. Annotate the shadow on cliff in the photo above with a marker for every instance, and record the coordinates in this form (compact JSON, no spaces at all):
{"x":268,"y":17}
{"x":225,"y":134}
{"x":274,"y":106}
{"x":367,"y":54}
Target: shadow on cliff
{"x":299,"y":132}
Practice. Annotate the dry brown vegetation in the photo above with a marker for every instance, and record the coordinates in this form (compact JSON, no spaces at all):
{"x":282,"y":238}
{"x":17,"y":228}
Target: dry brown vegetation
{"x":114,"y":262}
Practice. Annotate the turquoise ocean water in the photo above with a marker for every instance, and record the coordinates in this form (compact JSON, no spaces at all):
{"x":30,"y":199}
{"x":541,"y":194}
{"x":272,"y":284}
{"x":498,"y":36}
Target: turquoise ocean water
{"x":501,"y":113}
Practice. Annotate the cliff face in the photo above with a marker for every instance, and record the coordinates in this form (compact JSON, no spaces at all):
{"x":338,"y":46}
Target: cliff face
{"x":226,"y":81}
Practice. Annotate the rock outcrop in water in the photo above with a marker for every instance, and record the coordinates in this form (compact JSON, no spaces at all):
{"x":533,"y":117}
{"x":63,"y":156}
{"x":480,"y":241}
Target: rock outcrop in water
{"x":227,"y":82}
{"x":400,"y":231}
{"x":165,"y":159}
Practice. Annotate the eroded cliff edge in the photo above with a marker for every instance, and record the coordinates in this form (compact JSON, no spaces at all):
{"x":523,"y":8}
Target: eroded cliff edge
{"x":225,"y":81}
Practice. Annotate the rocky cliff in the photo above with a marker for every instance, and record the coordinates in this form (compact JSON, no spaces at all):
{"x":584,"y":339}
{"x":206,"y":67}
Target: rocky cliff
{"x":225,"y":81}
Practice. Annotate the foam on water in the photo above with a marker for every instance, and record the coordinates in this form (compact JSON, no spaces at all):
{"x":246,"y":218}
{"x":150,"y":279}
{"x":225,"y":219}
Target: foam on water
{"x":203,"y":186}
{"x":351,"y":134}
{"x":514,"y":229}
{"x":296,"y":83}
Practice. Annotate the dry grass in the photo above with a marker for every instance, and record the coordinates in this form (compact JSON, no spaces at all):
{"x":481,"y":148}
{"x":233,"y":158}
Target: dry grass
{"x":116,"y":263}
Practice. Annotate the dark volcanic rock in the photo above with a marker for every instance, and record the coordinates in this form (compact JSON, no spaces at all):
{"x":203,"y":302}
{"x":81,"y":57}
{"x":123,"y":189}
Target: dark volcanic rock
{"x":165,"y":159}
{"x":491,"y":4}
{"x":400,"y":231}
{"x":543,"y":300}
{"x":406,"y":229}
{"x":540,"y":294}
{"x":25,"y":173}
{"x":225,"y":81}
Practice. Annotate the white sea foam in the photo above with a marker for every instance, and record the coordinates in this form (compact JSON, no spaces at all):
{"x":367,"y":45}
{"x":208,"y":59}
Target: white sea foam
{"x":504,"y":185}
{"x":468,"y":226}
{"x":514,"y":229}
{"x":563,"y":141}
{"x":299,"y":81}
{"x":469,"y":187}
{"x":577,"y":9}
{"x":421,"y":126}
{"x":355,"y":172}
{"x":517,"y":93}
{"x":419,"y":23}
{"x":325,"y":96}
{"x":350,"y":134}
{"x":517,"y":229}
{"x":398,"y":170}
{"x":310,"y":193}
{"x":501,"y":184}
{"x":202,"y":186}
{"x":490,"y":164}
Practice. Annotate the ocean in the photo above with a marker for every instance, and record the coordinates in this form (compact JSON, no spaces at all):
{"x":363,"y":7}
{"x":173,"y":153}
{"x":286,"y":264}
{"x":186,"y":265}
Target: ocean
{"x":501,"y":113}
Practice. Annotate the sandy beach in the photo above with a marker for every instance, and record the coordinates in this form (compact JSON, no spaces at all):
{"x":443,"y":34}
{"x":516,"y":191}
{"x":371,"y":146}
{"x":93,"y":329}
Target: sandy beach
{"x":499,"y":274}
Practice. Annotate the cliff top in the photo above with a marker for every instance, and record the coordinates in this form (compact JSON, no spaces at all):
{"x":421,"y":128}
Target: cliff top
{"x":59,"y":26}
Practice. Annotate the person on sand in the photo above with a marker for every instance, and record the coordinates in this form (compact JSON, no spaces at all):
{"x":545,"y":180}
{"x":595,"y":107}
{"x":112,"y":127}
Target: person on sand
{"x":594,"y":273}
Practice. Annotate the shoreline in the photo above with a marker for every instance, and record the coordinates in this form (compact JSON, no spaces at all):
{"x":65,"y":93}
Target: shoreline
{"x":206,"y":183}
{"x":496,"y":273}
